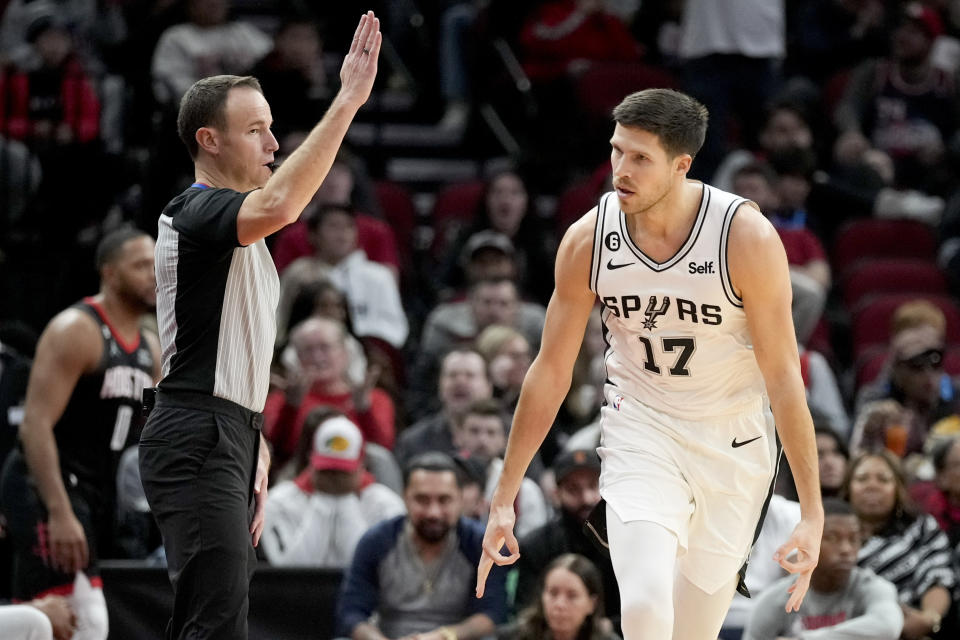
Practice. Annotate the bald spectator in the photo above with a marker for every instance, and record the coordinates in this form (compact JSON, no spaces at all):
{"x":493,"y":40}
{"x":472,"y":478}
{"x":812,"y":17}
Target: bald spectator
{"x":322,"y":379}
{"x":463,"y":380}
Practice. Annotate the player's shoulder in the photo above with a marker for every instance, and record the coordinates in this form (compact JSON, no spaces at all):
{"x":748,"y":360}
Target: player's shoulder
{"x":74,"y":335}
{"x":72,"y":322}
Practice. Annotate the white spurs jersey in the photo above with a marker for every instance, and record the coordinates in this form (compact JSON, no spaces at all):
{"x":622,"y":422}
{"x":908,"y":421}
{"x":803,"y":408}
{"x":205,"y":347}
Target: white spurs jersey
{"x":676,"y":332}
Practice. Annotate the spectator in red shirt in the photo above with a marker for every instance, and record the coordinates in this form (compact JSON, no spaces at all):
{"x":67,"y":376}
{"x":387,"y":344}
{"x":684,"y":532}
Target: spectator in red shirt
{"x":322,"y":380}
{"x":567,"y":35}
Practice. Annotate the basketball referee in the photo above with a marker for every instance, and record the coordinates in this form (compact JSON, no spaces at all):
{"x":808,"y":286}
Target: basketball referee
{"x":203,"y":460}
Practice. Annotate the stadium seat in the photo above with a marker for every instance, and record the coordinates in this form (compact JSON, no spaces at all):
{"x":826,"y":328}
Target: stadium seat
{"x":890,"y":275}
{"x":455,"y":207}
{"x":601,"y":87}
{"x":400,"y":213}
{"x":869,"y":238}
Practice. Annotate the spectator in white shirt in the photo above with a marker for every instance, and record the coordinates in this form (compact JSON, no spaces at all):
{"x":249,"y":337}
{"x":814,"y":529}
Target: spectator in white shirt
{"x":318,"y":518}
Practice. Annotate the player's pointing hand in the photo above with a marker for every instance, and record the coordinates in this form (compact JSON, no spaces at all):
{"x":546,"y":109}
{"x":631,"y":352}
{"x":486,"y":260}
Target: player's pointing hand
{"x":499,"y":531}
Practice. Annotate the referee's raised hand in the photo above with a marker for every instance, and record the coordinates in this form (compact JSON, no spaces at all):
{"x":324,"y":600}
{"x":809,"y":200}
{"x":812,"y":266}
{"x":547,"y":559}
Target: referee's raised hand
{"x":359,"y":68}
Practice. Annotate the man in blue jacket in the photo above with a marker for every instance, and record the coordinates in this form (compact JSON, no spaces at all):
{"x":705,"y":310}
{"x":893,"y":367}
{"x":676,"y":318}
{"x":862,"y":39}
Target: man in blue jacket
{"x":417,"y":572}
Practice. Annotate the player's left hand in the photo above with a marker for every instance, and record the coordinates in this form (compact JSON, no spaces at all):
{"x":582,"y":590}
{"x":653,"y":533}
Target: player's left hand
{"x":805,"y":540}
{"x":260,"y":492}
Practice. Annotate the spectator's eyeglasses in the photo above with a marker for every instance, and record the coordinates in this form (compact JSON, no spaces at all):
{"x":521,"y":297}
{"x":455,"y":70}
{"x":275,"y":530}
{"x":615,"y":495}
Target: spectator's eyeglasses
{"x":931,"y":359}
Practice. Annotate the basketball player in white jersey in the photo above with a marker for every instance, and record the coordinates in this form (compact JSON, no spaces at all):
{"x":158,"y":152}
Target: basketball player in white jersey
{"x":701,"y":358}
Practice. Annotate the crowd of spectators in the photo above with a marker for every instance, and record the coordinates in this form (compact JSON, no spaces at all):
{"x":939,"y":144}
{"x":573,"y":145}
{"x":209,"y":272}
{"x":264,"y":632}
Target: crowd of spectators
{"x":403,"y":341}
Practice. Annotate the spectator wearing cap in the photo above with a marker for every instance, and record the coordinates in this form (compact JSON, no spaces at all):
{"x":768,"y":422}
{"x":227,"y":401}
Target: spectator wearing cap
{"x":415,"y":575}
{"x":481,"y":433}
{"x":487,"y":254}
{"x":506,"y":208}
{"x":321,"y":379}
{"x":577,"y":475}
{"x":903,"y":105}
{"x":899,"y":411}
{"x":373,"y":298}
{"x":317,"y":519}
{"x":454,"y":324}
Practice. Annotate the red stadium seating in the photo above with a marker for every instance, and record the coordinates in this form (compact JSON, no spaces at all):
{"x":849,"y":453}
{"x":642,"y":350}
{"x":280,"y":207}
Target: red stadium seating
{"x":601,"y":87}
{"x":400,"y":213}
{"x":869,"y":238}
{"x":890,"y":275}
{"x":455,"y":207}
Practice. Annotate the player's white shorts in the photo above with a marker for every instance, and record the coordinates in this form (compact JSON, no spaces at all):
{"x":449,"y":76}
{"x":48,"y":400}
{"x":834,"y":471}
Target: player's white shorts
{"x":706,"y":480}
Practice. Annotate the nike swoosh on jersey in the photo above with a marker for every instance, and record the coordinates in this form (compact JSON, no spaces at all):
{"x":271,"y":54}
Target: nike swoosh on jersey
{"x":612,"y":266}
{"x":736,"y":444}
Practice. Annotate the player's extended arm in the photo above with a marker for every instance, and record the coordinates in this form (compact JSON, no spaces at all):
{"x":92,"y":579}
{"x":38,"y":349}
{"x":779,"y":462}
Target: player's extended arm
{"x":758,"y":268}
{"x":288,"y":191}
{"x":69,"y":346}
{"x":544,"y":387}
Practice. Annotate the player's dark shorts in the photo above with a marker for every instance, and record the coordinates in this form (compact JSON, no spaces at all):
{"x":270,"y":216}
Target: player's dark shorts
{"x":26,"y":515}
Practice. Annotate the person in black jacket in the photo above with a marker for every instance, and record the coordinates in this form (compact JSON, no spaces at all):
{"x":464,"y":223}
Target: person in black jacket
{"x":578,"y":476}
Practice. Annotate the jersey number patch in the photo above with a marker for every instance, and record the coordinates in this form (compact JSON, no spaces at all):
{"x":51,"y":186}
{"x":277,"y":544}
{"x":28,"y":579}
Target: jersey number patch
{"x":121,"y":427}
{"x":685,"y":346}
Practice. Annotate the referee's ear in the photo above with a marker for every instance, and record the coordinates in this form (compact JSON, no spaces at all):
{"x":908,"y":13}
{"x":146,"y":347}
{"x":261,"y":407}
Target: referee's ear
{"x":207,"y":140}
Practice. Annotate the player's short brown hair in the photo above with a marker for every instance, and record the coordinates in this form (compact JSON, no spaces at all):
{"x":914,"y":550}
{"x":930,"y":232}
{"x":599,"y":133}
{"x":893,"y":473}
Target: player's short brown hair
{"x":203,"y":106}
{"x":679,"y":121}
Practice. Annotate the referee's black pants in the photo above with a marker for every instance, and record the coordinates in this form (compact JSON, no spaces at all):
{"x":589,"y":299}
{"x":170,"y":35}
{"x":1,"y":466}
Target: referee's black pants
{"x":198,"y":461}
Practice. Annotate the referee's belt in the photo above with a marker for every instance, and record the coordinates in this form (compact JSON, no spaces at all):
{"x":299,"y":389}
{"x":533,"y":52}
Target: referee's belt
{"x":153,"y":397}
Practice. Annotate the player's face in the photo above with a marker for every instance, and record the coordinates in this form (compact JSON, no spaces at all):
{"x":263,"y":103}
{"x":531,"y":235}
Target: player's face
{"x":873,"y":490}
{"x":643,"y":171}
{"x":247,"y":145}
{"x":579,"y":492}
{"x":833,"y":465}
{"x":482,"y":436}
{"x":839,"y":547}
{"x":133,"y":274}
{"x":434,"y":503}
{"x":566,"y":602}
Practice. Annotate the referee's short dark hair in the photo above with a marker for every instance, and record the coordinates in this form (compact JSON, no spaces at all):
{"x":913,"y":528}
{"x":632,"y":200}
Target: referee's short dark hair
{"x":432,"y":461}
{"x":203,"y":105}
{"x":111,"y":245}
{"x":679,"y":121}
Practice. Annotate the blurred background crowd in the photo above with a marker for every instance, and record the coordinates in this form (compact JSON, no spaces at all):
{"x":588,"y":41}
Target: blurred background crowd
{"x":413,"y":288}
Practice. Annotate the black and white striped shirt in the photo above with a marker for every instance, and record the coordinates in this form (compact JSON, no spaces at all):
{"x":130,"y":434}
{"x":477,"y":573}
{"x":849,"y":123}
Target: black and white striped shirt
{"x":913,"y":560}
{"x":216,"y":300}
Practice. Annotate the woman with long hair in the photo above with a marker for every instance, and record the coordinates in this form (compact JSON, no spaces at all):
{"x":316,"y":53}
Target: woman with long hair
{"x":570,"y":606}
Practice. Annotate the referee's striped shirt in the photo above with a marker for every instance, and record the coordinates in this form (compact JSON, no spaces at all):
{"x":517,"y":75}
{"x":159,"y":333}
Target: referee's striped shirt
{"x":216,"y":300}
